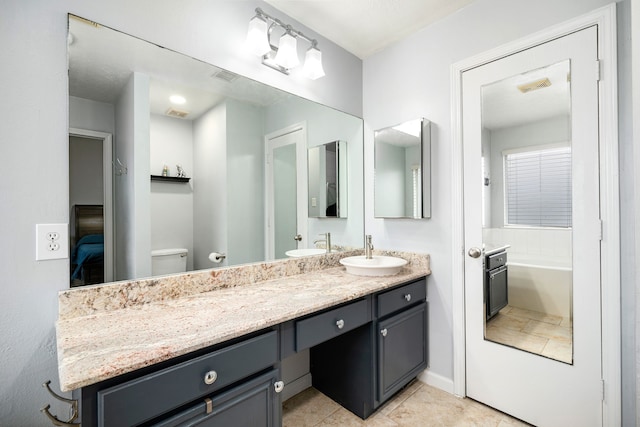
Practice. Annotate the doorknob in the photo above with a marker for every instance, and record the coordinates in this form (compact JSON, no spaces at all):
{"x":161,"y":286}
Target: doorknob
{"x":475,"y":252}
{"x":297,"y":237}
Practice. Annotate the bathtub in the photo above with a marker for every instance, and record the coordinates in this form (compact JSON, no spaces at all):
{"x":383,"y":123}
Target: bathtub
{"x":542,"y":285}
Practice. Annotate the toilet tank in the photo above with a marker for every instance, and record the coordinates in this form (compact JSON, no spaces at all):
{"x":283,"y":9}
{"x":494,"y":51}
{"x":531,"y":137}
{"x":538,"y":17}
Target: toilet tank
{"x":168,"y":261}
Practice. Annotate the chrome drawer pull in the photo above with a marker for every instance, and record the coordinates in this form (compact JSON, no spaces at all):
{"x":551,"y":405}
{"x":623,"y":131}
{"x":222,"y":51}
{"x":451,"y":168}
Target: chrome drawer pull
{"x":340,"y":324}
{"x":407,"y":297}
{"x":278,"y":386}
{"x":384,"y":332}
{"x":210,"y":377}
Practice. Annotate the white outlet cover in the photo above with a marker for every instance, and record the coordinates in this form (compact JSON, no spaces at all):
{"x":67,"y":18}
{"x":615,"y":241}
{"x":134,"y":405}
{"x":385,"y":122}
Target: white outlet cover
{"x":44,"y":245}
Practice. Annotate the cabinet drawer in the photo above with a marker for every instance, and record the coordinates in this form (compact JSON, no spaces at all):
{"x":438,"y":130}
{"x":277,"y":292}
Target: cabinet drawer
{"x":399,"y":298}
{"x":252,"y":403}
{"x":144,"y":398}
{"x":324,"y":326}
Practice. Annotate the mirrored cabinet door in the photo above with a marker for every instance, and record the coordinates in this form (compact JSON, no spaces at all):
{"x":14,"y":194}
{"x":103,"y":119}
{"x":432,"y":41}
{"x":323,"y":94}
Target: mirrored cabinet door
{"x":402,"y":186}
{"x":328,"y":180}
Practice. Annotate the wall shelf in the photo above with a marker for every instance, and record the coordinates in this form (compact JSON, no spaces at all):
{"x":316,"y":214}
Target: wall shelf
{"x":169,"y":178}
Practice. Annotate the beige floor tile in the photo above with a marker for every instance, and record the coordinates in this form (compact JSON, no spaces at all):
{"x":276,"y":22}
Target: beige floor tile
{"x":501,"y":320}
{"x":307,"y":409}
{"x":534,"y":315}
{"x":523,"y":341}
{"x":559,"y":350}
{"x":400,"y":397}
{"x":546,"y":330}
{"x":420,"y":405}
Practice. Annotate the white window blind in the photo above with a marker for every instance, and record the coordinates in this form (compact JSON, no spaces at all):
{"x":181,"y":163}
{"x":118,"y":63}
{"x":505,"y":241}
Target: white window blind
{"x":538,"y":187}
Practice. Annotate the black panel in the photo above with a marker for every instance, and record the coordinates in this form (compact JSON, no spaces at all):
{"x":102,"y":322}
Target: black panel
{"x":343,"y":369}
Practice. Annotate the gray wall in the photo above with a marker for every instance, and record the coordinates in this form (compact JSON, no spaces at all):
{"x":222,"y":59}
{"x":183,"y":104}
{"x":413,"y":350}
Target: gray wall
{"x":35,"y":147}
{"x":412,"y":78}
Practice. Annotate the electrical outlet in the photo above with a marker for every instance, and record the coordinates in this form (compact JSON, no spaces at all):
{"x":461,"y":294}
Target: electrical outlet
{"x":52,"y":241}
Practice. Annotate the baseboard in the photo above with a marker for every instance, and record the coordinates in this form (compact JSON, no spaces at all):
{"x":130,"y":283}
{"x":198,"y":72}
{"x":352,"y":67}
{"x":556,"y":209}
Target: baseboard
{"x":296,"y":386}
{"x":437,"y":381}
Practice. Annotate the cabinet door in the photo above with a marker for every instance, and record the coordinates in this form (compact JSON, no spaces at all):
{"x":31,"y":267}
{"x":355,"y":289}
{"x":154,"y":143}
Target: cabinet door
{"x":254,"y":403}
{"x":402,"y":349}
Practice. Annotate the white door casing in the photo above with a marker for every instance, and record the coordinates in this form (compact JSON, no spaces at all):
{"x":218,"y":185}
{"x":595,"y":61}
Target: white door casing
{"x":604,"y":18}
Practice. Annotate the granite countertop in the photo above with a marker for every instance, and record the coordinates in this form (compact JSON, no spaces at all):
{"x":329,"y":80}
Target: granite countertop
{"x":96,"y":342}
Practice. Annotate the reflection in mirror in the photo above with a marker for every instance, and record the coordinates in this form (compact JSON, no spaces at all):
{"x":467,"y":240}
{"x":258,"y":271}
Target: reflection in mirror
{"x":526,"y":163}
{"x":120,"y":86}
{"x":328,"y":180}
{"x":402,"y":187}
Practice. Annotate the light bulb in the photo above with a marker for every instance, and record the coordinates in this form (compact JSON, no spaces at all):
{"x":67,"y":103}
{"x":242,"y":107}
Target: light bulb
{"x":257,"y":40}
{"x":287,"y":55}
{"x":313,"y":63}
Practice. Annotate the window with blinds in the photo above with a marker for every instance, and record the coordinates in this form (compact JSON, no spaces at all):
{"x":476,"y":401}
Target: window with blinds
{"x":538,"y":187}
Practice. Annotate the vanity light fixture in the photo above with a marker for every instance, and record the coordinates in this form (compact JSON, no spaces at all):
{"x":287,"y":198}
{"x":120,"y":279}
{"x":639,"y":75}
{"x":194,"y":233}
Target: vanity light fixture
{"x":283,"y":57}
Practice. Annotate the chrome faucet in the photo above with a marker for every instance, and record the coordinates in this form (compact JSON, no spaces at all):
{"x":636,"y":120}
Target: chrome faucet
{"x":368,"y":246}
{"x":326,"y":240}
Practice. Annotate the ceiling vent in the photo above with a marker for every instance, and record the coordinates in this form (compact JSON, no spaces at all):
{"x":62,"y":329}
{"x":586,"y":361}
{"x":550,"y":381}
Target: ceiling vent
{"x":225,"y":75}
{"x":174,"y":112}
{"x":538,"y":84}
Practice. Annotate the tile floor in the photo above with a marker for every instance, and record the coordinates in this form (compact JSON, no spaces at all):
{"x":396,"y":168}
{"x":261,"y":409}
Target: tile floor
{"x":532,"y":331}
{"x":418,"y":405}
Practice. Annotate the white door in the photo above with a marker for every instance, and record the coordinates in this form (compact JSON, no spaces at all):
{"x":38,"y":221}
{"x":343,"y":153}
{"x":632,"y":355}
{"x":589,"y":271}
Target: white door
{"x":513,"y":375}
{"x":286,"y":191}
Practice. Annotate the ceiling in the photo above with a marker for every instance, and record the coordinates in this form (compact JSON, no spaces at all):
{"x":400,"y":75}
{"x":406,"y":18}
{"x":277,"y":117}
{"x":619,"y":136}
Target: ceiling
{"x":364,"y":27}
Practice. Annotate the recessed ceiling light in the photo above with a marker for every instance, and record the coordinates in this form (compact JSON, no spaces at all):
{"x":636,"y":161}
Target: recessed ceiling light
{"x":177,"y":99}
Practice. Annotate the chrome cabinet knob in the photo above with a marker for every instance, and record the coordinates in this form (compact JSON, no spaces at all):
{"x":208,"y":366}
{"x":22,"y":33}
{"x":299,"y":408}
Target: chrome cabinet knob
{"x":383,"y":332}
{"x":278,"y":386}
{"x":340,"y":324}
{"x":210,"y":377}
{"x":475,"y":252}
{"x":407,"y":297}
{"x":297,"y":237}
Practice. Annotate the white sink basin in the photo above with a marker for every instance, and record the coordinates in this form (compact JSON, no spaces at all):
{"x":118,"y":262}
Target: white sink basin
{"x":293,"y":253}
{"x":378,"y":265}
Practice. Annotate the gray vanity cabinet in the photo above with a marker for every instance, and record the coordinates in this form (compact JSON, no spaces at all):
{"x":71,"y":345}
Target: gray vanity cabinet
{"x":363,"y":368}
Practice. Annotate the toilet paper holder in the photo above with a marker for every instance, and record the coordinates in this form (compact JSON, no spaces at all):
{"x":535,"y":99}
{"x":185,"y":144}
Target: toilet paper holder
{"x":217,"y":257}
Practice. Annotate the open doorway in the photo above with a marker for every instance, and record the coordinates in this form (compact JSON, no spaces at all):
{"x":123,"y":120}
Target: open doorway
{"x":90,"y":207}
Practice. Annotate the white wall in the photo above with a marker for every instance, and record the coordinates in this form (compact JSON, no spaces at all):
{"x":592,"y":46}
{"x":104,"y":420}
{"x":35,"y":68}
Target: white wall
{"x":171,"y":141}
{"x":412,"y":79}
{"x":209,"y":185}
{"x":85,"y":171}
{"x":245,"y":183}
{"x":132,"y":190}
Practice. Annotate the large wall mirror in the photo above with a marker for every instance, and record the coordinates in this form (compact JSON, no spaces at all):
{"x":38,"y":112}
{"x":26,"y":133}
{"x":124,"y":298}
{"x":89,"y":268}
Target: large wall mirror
{"x":328,"y":180}
{"x":150,"y":174}
{"x":402,"y":187}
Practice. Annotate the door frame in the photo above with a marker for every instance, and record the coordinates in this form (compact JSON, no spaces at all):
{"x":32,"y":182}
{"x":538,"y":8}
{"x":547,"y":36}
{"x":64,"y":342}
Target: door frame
{"x":107,"y":183}
{"x":302,"y":208}
{"x":605,"y":19}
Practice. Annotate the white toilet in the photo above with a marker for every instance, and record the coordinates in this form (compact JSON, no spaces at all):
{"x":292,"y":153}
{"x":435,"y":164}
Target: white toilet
{"x":168,"y":261}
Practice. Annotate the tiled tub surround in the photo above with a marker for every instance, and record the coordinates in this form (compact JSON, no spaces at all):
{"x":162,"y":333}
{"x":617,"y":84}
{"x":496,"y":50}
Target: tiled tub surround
{"x":107,"y":330}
